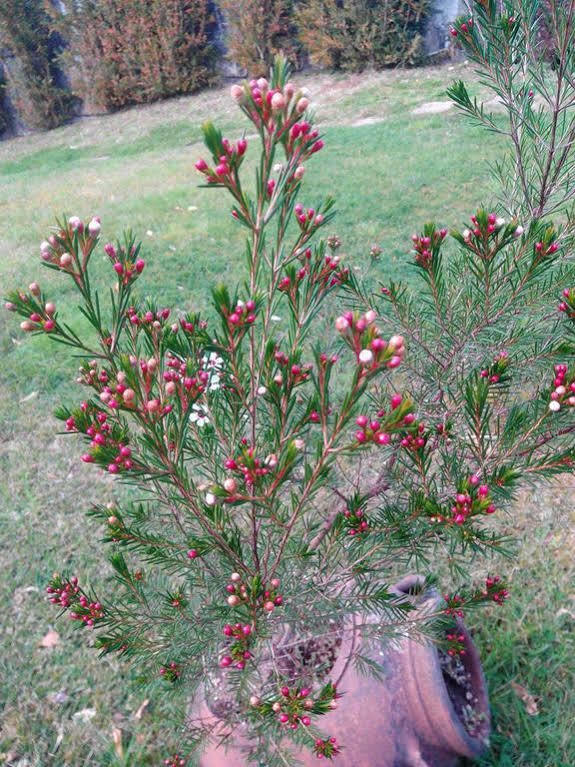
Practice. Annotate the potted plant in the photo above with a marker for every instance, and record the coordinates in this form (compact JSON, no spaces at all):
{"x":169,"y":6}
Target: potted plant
{"x":317,"y":435}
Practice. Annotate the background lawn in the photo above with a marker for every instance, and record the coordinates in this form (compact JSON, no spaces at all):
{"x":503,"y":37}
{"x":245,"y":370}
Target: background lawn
{"x":390,"y":171}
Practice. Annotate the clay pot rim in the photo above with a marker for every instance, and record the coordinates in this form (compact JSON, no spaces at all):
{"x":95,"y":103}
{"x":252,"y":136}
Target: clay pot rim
{"x":468,"y":745}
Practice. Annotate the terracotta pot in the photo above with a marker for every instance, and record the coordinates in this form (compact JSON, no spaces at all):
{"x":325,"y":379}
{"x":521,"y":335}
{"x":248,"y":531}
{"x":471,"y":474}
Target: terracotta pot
{"x":412,"y":717}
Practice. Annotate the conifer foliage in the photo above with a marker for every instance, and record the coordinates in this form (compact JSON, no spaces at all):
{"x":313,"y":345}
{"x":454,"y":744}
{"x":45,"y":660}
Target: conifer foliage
{"x":286,"y":470}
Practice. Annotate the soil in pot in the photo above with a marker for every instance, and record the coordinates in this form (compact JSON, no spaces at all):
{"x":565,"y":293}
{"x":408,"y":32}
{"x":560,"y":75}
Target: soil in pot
{"x":459,"y":684}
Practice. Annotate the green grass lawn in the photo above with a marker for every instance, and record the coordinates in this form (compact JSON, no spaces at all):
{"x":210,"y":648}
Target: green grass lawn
{"x":390,"y":171}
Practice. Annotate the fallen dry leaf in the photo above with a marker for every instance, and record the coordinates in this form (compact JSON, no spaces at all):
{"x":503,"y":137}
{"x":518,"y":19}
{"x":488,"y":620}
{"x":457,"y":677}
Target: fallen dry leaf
{"x":528,"y":699}
{"x":51,"y":639}
{"x":28,"y":397}
{"x":84,"y":715}
{"x":117,"y":738}
{"x":142,"y":709}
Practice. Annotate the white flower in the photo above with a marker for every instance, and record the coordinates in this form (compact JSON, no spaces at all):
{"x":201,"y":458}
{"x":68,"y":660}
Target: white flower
{"x":554,"y":406}
{"x":213,"y":364}
{"x":466,"y":235}
{"x":210,"y":499}
{"x":261,"y":390}
{"x":278,"y":167}
{"x":499,"y":222}
{"x":275,"y":318}
{"x":199,"y":416}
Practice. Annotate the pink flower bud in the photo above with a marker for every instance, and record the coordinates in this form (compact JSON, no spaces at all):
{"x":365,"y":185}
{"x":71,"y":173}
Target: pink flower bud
{"x":230,"y":485}
{"x":118,"y":268}
{"x":65,"y":260}
{"x":262,"y":84}
{"x":278,"y":102}
{"x":45,"y":249}
{"x":27,"y":326}
{"x":342,"y":324}
{"x":302,"y":105}
{"x":237,"y":93}
{"x":75,"y":224}
{"x":140,"y":264}
{"x":94,"y":227}
{"x":34,"y":288}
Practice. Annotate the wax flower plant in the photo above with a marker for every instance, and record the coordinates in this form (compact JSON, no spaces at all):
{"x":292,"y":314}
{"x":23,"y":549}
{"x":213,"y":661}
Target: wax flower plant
{"x":287,"y":471}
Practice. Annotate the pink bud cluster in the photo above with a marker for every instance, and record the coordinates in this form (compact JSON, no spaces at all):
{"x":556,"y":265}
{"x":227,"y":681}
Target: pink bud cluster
{"x":249,"y":467}
{"x":495,"y":373}
{"x":292,"y":707}
{"x":363,"y":337}
{"x":455,"y":644}
{"x":42,"y":315}
{"x":170,"y":672}
{"x":94,"y":423}
{"x":279,"y":111}
{"x":370,"y":430}
{"x":454,"y":604}
{"x":494,"y":590}
{"x":543,"y":248}
{"x":224,"y":172}
{"x":416,"y":440}
{"x":567,"y":305}
{"x":326,"y":273}
{"x":290,"y":374}
{"x":564,"y":389}
{"x":126,"y":265}
{"x":462,"y":28}
{"x":266,"y":598}
{"x":237,"y":652}
{"x":175,"y":761}
{"x":149,"y":318}
{"x":242,"y":316}
{"x":466,"y":503}
{"x":309,"y":221}
{"x":355,"y":522}
{"x":326,"y":748}
{"x":178,"y":381}
{"x":56,"y":249}
{"x":68,"y":595}
{"x":425,"y":245}
{"x":488,"y":234}
{"x":472,"y":499}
